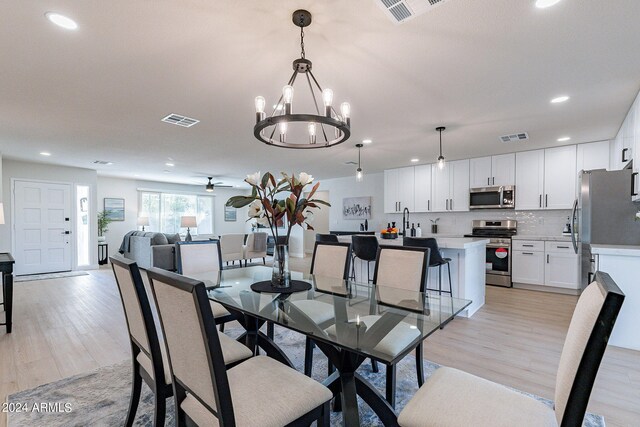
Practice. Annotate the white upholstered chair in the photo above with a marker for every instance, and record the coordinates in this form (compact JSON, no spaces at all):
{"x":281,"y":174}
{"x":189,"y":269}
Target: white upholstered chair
{"x":198,"y":257}
{"x":232,"y":247}
{"x":329,"y":260}
{"x":256,"y":247}
{"x":257,"y":392}
{"x":455,"y":398}
{"x":149,"y":356}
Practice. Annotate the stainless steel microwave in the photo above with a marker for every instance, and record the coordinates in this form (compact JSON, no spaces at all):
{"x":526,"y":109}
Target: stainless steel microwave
{"x":498,"y":197}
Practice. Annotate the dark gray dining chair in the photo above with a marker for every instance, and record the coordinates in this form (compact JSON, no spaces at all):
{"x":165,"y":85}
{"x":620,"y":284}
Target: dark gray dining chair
{"x":451,"y":397}
{"x":326,"y":238}
{"x":257,"y":392}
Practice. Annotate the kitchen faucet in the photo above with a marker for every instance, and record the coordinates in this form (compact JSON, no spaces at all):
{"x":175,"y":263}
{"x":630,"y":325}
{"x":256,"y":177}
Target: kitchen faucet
{"x":405,"y":222}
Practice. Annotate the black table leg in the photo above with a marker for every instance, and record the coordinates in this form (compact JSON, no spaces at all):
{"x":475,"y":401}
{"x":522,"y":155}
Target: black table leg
{"x":8,"y":299}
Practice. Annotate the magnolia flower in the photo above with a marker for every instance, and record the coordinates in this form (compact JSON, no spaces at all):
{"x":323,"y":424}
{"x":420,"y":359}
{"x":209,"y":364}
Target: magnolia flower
{"x":264,"y":221}
{"x":255,"y":209}
{"x":638,"y":216}
{"x":253,"y":179}
{"x":305,"y":178}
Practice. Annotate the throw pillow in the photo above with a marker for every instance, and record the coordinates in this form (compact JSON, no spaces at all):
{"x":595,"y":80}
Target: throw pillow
{"x":159,"y":239}
{"x":173,"y":238}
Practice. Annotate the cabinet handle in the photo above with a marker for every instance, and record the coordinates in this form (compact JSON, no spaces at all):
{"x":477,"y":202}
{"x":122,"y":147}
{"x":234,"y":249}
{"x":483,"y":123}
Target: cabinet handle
{"x":562,"y":247}
{"x":547,"y":258}
{"x":634,"y":192}
{"x":624,"y":151}
{"x":399,"y":206}
{"x":541,"y":200}
{"x":546,"y":200}
{"x":493,"y":180}
{"x":428,"y":205}
{"x":450,"y":204}
{"x":528,"y":246}
{"x":527,"y":253}
{"x":487,"y":180}
{"x":446,"y":204}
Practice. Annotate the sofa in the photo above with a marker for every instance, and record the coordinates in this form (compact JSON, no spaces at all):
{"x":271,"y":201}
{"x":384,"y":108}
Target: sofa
{"x":151,"y":249}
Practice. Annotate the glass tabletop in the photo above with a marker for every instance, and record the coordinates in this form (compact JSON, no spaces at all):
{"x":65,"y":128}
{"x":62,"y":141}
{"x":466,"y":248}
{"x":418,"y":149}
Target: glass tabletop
{"x":376,"y":321}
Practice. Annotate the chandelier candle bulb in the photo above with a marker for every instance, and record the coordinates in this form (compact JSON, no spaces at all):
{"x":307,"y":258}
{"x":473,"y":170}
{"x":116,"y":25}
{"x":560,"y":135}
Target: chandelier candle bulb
{"x":260,"y":104}
{"x":345,"y":109}
{"x":327,"y":98}
{"x":287,"y":97}
{"x":312,"y":132}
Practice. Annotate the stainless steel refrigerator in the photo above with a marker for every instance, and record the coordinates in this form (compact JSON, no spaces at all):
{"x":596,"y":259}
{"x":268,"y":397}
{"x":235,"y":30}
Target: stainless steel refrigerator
{"x":603,"y":214}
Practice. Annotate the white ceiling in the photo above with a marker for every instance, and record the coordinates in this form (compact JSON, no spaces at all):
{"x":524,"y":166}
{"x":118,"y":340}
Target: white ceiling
{"x":481,"y":68}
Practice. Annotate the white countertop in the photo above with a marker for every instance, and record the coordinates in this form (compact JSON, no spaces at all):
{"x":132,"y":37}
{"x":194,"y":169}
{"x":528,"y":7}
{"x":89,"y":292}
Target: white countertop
{"x":556,"y":238}
{"x":459,"y":243}
{"x":619,"y":250}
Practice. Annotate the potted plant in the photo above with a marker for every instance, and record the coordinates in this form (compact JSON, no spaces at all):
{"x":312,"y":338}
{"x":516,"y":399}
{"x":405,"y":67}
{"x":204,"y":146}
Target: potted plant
{"x":103,"y":223}
{"x":270,"y":203}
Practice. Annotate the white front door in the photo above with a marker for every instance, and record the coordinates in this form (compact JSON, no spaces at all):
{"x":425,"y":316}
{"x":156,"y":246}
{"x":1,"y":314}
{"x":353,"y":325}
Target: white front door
{"x":42,"y":227}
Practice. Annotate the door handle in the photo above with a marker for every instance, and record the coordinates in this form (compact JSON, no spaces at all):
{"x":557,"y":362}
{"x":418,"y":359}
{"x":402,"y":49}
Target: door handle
{"x":634,"y":192}
{"x":624,"y":151}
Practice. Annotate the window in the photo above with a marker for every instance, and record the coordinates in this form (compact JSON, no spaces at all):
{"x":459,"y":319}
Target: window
{"x":165,"y":209}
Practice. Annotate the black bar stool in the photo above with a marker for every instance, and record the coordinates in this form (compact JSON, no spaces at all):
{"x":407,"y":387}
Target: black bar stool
{"x":365,"y":248}
{"x":326,"y":238}
{"x":435,"y":259}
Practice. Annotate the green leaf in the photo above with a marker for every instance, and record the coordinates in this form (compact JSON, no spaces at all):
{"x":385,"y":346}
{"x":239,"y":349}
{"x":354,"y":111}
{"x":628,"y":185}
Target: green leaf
{"x":239,"y":201}
{"x":265,"y":180}
{"x":321,"y":202}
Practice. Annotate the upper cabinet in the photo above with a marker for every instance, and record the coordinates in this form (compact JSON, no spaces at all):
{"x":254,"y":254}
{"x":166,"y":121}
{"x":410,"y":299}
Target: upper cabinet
{"x":451,"y":187}
{"x":493,"y":170}
{"x":594,"y":155}
{"x":546,"y":179}
{"x":626,"y":147}
{"x":422,"y":185}
{"x":398,"y":190}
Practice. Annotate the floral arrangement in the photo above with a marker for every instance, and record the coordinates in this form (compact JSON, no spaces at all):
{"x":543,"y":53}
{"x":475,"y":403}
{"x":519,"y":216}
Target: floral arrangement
{"x":270,"y":206}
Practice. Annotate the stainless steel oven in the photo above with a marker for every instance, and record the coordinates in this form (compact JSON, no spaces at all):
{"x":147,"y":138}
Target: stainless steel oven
{"x":499,"y":197}
{"x":498,"y":257}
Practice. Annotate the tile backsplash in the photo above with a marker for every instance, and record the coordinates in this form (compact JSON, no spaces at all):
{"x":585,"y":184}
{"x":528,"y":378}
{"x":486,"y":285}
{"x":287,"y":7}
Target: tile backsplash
{"x":531,"y":223}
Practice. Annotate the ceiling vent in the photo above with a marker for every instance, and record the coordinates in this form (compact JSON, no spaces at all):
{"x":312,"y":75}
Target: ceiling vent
{"x":177,"y":119}
{"x":350,"y":163}
{"x":403,"y":10}
{"x":102,"y":162}
{"x":515,"y":137}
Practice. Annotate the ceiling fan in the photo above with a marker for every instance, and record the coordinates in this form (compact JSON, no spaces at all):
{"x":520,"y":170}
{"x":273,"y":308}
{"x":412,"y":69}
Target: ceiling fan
{"x":211,"y":185}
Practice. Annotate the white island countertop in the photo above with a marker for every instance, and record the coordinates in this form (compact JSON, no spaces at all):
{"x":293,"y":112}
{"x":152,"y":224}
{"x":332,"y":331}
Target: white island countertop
{"x":620,"y":250}
{"x":556,"y":238}
{"x":449,"y":242}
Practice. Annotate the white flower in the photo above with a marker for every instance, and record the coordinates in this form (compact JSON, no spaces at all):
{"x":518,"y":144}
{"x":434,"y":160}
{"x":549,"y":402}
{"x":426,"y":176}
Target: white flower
{"x":253,"y":179}
{"x":638,"y":216}
{"x":305,"y":178}
{"x":264,"y":221}
{"x":255,"y":209}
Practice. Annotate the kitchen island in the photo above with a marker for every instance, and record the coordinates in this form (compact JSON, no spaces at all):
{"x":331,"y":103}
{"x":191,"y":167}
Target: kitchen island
{"x":467,"y":267}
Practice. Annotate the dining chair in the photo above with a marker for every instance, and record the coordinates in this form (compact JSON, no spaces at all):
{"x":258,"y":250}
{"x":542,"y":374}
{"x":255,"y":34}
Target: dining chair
{"x":328,"y":260}
{"x":326,"y":238}
{"x":198,"y":257}
{"x":232,"y":248}
{"x":257,"y":392}
{"x":148,"y":353}
{"x":403,"y":268}
{"x":366,"y":249}
{"x":256,"y":247}
{"x":451,"y":397}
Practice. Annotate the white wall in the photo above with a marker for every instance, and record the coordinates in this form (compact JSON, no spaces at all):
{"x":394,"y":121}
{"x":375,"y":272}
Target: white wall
{"x":13,"y":169}
{"x":540,"y":223}
{"x":128,"y":190}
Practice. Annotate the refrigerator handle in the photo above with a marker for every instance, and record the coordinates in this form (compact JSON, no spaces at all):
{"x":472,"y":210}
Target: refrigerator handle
{"x":624,"y":157}
{"x":573,"y":226}
{"x":634,"y":192}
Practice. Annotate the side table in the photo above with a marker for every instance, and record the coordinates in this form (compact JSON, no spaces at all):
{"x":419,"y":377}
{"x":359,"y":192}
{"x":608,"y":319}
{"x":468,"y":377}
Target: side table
{"x":103,"y":253}
{"x":6,"y":269}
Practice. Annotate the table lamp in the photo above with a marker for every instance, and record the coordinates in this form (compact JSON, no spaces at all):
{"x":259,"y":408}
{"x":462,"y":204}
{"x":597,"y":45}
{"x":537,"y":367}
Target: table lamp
{"x":188,"y":221}
{"x":143,"y":221}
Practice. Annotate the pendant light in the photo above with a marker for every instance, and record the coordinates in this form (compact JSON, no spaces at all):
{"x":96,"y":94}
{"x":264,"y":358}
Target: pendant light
{"x":359,"y":172}
{"x":441,"y":157}
{"x":209,"y":187}
{"x":325,"y":127}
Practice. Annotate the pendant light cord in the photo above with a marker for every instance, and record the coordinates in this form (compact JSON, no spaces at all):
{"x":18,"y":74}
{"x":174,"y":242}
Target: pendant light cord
{"x":358,"y":157}
{"x":441,"y":143}
{"x":302,"y":42}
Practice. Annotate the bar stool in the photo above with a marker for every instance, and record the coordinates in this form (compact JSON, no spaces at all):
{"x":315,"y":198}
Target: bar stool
{"x":435,"y":259}
{"x":365,"y":248}
{"x":326,"y":238}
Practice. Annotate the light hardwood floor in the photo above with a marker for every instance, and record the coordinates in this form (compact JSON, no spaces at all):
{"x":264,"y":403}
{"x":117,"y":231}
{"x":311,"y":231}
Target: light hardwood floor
{"x":63,"y":327}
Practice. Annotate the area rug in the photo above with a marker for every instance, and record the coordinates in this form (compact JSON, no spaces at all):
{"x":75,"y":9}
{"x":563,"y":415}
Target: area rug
{"x":101,"y":397}
{"x":46,"y":276}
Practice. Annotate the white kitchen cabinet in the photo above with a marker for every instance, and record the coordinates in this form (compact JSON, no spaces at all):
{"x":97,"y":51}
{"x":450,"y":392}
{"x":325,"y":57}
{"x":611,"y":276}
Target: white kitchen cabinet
{"x":529,"y":180}
{"x":494,"y":170}
{"x":451,"y":187}
{"x":594,"y":155}
{"x":635,"y":152}
{"x":528,"y":267}
{"x":422,"y":194}
{"x":398,"y":189}
{"x":561,"y":270}
{"x":560,"y":177}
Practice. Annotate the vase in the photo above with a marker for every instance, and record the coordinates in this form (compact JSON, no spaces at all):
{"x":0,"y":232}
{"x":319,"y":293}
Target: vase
{"x":434,"y":228}
{"x":102,"y":239}
{"x":281,"y":276}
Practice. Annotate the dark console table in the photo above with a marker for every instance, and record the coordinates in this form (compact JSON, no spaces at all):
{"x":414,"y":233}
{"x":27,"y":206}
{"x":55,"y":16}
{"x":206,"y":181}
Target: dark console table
{"x":351,"y":233}
{"x":103,"y":253}
{"x":6,"y":267}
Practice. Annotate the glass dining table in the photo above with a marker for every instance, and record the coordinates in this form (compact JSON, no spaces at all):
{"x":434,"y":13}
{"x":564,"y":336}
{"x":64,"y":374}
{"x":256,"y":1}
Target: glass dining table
{"x":348,"y":321}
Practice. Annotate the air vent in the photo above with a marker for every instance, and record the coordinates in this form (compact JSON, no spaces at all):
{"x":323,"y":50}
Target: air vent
{"x":514,"y":137}
{"x":400,"y":11}
{"x":102,"y":162}
{"x":177,"y":119}
{"x":350,"y":163}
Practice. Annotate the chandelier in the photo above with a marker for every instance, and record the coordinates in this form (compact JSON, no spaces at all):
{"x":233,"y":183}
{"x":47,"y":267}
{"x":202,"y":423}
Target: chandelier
{"x":324,"y":128}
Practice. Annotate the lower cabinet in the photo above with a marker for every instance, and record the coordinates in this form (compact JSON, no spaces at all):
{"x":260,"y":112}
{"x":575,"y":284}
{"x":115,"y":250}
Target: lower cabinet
{"x":553,"y":264}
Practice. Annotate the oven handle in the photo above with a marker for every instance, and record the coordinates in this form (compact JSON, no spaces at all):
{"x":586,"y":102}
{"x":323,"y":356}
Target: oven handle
{"x":499,"y":245}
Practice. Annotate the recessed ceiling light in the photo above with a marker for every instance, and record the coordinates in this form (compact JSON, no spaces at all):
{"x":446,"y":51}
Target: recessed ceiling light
{"x":61,"y":21}
{"x":560,"y":99}
{"x":367,"y":141}
{"x":136,"y":174}
{"x":543,"y":4}
{"x":44,"y":153}
{"x":414,"y":160}
{"x":564,"y":139}
{"x":169,"y":164}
